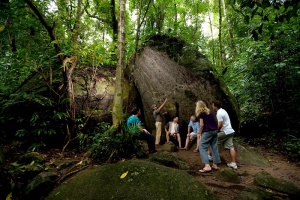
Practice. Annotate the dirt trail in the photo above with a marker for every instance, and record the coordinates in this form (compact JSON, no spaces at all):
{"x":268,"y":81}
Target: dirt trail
{"x":279,"y":167}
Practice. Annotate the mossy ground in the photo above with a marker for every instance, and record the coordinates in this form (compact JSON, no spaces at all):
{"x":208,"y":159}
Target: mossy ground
{"x":266,"y":180}
{"x":145,"y":180}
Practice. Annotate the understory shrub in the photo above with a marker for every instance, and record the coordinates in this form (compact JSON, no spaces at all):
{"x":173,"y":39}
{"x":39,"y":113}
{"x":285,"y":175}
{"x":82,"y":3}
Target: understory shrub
{"x":116,"y":144}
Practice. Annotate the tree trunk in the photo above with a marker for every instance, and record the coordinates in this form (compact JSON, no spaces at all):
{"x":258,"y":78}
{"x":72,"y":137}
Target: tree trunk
{"x":175,"y":19}
{"x":114,"y":22}
{"x":139,"y":25}
{"x":220,"y":35}
{"x":230,"y":33}
{"x":5,"y":8}
{"x":77,"y":22}
{"x":212,"y":39}
{"x":117,"y":110}
{"x":50,"y":30}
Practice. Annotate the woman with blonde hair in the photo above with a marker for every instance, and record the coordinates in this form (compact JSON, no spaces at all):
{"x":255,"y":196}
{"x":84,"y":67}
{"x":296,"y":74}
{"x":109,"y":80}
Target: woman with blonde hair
{"x":209,"y":137}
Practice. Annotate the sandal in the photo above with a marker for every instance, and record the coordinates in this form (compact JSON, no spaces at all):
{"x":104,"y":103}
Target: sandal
{"x":204,"y":171}
{"x":214,"y":168}
{"x":196,"y":150}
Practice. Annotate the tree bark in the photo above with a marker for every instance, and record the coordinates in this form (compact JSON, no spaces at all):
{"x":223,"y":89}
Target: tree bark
{"x":5,"y":8}
{"x":220,"y":35}
{"x":139,"y":25}
{"x":117,"y":110}
{"x":212,"y":39}
{"x":230,"y":33}
{"x":77,"y":22}
{"x":114,"y":22}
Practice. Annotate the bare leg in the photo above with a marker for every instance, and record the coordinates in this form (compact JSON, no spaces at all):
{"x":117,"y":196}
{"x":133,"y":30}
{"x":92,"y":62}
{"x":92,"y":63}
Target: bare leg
{"x":179,"y":139}
{"x":198,"y":142}
{"x":187,"y":141}
{"x":168,"y":137}
{"x":232,"y":155}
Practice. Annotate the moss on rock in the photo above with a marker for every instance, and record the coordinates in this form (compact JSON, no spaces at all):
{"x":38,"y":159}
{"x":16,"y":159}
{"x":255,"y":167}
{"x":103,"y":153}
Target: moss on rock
{"x":228,"y":175}
{"x":30,"y":157}
{"x":266,"y":180}
{"x":145,"y":180}
{"x":251,"y":157}
{"x":170,"y":160}
{"x":170,"y":147}
{"x":254,"y":193}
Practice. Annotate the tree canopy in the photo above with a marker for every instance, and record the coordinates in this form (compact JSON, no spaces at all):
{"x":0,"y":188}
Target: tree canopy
{"x":254,"y":46}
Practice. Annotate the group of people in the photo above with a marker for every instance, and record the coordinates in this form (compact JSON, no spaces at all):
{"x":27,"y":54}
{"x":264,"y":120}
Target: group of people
{"x":202,"y":126}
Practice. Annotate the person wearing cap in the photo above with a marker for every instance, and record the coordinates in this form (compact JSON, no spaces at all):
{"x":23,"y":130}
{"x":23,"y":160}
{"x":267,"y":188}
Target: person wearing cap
{"x":158,"y":119}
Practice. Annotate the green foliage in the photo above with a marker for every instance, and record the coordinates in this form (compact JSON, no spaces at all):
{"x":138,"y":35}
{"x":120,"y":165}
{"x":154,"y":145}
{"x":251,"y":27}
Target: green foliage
{"x":292,"y":147}
{"x":32,"y":118}
{"x":114,"y":144}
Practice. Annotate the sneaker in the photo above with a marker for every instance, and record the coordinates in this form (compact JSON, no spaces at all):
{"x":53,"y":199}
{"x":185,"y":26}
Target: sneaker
{"x":210,"y":158}
{"x":233,"y":165}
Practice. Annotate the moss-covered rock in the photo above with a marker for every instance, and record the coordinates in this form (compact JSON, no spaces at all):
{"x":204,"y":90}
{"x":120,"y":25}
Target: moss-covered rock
{"x":266,"y":180}
{"x":40,"y":185}
{"x":250,"y":157}
{"x":28,"y":172}
{"x":170,"y":160}
{"x":145,"y":180}
{"x":228,"y":175}
{"x":30,"y":157}
{"x":170,"y":147}
{"x":254,"y":193}
{"x":62,"y":164}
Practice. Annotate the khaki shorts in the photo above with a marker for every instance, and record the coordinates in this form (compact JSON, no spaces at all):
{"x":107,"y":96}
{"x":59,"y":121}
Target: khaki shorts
{"x":226,"y":140}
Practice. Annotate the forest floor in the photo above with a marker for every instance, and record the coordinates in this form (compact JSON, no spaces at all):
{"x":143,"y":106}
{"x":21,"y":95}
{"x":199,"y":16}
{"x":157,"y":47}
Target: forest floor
{"x":279,"y":167}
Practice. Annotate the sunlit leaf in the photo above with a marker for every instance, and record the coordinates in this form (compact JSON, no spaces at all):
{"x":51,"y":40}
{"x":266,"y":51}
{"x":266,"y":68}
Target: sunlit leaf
{"x":2,"y":28}
{"x":123,"y":175}
{"x":9,"y":197}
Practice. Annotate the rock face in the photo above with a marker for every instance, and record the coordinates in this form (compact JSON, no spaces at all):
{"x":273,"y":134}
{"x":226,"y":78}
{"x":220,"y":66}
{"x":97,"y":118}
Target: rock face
{"x":143,"y":180}
{"x":172,"y":70}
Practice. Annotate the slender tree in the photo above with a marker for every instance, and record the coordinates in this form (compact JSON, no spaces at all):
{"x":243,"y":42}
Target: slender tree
{"x":220,"y":35}
{"x":117,"y":109}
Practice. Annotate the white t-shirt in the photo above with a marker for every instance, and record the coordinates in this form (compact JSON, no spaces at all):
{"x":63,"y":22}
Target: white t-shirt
{"x":223,"y":116}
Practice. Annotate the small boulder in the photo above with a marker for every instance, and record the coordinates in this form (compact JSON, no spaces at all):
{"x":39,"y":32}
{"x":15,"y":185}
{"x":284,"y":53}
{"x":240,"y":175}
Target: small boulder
{"x":228,"y":175}
{"x":254,"y":193}
{"x":30,"y":157}
{"x":169,"y":160}
{"x":266,"y":180}
{"x":28,"y":172}
{"x":250,"y":157}
{"x":40,"y":185}
{"x":62,"y":164}
{"x":170,"y":147}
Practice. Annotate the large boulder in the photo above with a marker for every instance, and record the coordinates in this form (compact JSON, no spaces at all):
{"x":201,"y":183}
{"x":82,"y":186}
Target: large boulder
{"x":134,"y":179}
{"x":93,"y":90}
{"x":167,"y":67}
